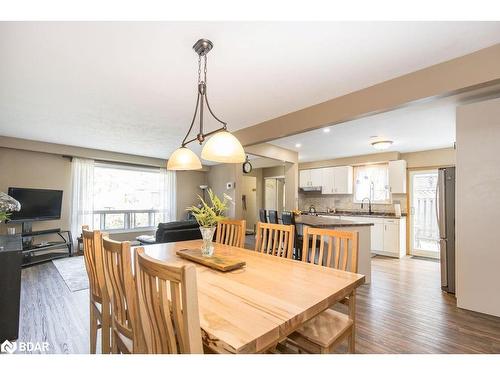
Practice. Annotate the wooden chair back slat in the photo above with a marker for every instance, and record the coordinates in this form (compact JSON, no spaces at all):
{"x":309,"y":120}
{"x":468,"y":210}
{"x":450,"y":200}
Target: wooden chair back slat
{"x":231,"y":232}
{"x":341,"y":250}
{"x":168,"y":302}
{"x":92,"y":254}
{"x":275,"y":239}
{"x":122,"y":289}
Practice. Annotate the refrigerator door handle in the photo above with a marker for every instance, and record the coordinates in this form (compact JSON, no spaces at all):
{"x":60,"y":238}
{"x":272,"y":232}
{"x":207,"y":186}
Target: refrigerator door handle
{"x":440,"y":201}
{"x":444,"y":262}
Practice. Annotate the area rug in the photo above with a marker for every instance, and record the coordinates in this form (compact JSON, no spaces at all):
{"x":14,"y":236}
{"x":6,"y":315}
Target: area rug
{"x":73,"y":272}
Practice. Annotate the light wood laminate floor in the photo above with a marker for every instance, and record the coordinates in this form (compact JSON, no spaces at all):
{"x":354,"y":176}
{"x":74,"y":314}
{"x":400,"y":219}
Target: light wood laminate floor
{"x":402,"y":311}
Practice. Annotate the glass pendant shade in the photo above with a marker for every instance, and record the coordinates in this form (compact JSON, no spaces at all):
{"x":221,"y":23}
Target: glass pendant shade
{"x":183,"y":159}
{"x":223,"y":147}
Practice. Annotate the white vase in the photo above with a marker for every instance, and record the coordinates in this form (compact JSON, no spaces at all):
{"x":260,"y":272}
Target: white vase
{"x":207,"y":248}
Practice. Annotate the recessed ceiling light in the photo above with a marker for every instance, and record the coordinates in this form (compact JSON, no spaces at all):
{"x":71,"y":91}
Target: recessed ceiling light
{"x":298,"y":145}
{"x":381,"y":145}
{"x":326,"y":130}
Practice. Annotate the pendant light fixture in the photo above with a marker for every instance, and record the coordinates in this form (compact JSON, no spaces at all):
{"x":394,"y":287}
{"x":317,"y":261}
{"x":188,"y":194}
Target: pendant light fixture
{"x":222,"y":146}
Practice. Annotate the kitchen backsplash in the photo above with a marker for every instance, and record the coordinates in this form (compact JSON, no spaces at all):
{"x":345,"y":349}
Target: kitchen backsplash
{"x":344,"y":202}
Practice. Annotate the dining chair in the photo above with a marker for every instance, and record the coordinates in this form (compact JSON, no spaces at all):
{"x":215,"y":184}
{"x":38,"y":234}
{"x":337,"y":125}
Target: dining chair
{"x":126,"y":331}
{"x":273,"y":216}
{"x":288,"y":218}
{"x":262,"y":215}
{"x":100,"y":308}
{"x":337,"y":249}
{"x":231,"y":232}
{"x":275,"y":239}
{"x":168,"y":302}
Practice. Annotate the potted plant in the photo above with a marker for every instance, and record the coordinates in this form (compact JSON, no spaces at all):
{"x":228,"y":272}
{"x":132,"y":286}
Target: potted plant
{"x":207,"y":216}
{"x":7,"y":205}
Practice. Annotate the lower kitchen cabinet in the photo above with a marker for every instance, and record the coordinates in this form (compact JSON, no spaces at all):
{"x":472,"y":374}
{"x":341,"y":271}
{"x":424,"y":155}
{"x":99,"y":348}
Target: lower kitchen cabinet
{"x":388,"y":236}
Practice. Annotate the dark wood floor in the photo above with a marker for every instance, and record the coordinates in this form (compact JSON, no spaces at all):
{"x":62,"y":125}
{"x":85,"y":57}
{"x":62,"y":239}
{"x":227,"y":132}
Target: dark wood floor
{"x":402,"y":311}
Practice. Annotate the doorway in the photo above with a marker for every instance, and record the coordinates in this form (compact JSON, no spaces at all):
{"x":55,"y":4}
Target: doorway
{"x":424,"y":232}
{"x":249,"y":202}
{"x":274,"y":193}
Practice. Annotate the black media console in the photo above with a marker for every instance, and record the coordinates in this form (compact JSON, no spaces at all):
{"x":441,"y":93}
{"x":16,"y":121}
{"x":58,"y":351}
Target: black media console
{"x":41,"y":251}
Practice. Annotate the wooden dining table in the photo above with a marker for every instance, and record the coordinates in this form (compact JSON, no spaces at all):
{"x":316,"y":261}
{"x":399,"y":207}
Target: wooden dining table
{"x":251,"y":309}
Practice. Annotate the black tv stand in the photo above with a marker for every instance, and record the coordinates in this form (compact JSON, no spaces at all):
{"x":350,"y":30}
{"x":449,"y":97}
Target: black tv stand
{"x":34,"y":253}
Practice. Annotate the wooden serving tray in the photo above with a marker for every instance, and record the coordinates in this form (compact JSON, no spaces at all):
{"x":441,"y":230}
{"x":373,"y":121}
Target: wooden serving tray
{"x":222,"y":263}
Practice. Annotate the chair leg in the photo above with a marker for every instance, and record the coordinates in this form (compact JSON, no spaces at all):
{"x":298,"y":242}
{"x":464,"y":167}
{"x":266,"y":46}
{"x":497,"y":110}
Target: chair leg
{"x":114,"y":344}
{"x":93,"y":329}
{"x":105,"y":329}
{"x":352,"y":314}
{"x":351,"y":342}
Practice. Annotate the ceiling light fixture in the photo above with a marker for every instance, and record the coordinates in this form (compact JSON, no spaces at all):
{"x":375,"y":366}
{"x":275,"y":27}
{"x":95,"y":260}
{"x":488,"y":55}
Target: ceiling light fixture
{"x":298,"y":145}
{"x":222,"y":146}
{"x":381,"y":145}
{"x":326,"y":130}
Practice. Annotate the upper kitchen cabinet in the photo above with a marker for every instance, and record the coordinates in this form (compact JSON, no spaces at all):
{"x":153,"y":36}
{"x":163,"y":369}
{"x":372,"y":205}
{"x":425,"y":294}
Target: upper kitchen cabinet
{"x":337,"y":180}
{"x":343,"y":180}
{"x":397,"y":177}
{"x":310,"y":178}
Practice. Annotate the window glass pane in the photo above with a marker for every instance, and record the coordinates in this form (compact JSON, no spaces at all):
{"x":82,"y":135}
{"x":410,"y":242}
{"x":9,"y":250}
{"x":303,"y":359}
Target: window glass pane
{"x":97,"y":221}
{"x":141,"y":219}
{"x":118,"y":188}
{"x":371,"y":181}
{"x":115,"y":221}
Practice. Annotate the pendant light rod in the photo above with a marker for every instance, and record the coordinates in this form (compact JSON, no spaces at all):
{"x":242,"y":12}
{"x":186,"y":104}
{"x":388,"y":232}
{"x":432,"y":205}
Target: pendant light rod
{"x":202,"y":47}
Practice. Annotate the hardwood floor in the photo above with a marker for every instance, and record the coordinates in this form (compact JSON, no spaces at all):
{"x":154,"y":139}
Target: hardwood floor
{"x":402,"y":311}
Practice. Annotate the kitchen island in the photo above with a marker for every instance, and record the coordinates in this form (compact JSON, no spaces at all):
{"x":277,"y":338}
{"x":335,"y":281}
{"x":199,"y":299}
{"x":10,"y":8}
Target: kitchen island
{"x":363,"y":229}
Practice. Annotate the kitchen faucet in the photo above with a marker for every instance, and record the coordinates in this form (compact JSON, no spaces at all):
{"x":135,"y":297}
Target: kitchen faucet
{"x":369,"y":205}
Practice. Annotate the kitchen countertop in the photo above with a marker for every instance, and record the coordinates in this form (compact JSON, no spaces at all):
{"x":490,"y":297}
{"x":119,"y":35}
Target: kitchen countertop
{"x":327,"y":222}
{"x":356,"y":213}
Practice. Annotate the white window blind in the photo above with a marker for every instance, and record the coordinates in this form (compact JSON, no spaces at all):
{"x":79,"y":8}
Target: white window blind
{"x":372,"y":181}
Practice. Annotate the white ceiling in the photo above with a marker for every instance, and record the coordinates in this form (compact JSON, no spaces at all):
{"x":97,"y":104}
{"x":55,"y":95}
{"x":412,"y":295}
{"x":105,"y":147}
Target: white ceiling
{"x":416,"y":127}
{"x":130,"y":86}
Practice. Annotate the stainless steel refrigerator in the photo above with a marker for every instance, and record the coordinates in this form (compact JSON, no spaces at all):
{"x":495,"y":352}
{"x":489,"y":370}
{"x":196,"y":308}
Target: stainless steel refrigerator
{"x":445,"y":210}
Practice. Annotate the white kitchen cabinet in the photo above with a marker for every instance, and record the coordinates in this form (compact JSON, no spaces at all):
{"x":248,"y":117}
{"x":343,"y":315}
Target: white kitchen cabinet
{"x":316,"y":177}
{"x":337,"y":180}
{"x":310,"y":178}
{"x":377,"y":234}
{"x":328,"y":183}
{"x":397,"y":177}
{"x":391,"y":238}
{"x":388,"y":236}
{"x":304,"y":178}
{"x":342,"y":180}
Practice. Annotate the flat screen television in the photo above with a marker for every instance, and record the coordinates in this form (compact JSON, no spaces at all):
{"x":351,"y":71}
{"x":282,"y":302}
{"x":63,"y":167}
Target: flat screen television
{"x":36,"y":204}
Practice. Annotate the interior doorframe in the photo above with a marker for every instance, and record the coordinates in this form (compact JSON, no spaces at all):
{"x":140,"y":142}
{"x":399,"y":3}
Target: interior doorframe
{"x":408,"y":198}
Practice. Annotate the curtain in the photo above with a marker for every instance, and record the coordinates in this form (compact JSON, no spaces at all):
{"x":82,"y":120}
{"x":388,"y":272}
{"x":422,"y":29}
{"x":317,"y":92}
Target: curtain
{"x":82,"y":206}
{"x":168,"y":205}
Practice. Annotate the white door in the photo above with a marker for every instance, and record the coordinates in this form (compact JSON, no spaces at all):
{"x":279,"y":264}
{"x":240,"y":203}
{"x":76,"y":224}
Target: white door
{"x":249,"y":201}
{"x":270,"y":194}
{"x":424,"y":233}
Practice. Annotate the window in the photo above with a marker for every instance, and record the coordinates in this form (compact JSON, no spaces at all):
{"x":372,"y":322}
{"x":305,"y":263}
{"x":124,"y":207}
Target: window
{"x":372,"y":181}
{"x":128,"y":198}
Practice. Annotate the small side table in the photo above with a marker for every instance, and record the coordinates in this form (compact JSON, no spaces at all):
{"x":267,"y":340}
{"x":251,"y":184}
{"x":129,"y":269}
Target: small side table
{"x":79,"y":246}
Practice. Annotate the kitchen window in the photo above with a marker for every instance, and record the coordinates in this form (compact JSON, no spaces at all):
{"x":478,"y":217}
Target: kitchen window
{"x":372,"y":181}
